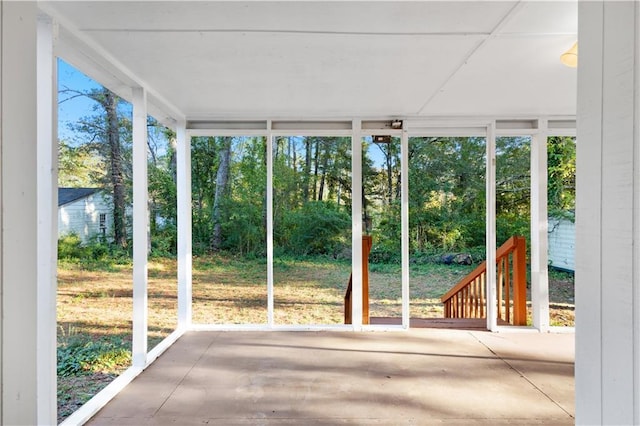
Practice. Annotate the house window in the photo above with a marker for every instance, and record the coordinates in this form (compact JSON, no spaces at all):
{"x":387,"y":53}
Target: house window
{"x":103,"y":224}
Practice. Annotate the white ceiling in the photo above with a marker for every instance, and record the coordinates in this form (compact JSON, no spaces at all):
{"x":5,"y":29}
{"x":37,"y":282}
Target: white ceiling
{"x":310,"y":60}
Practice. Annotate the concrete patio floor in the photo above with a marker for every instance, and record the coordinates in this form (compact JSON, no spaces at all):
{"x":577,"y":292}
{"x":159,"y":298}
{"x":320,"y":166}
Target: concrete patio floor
{"x":422,"y":376}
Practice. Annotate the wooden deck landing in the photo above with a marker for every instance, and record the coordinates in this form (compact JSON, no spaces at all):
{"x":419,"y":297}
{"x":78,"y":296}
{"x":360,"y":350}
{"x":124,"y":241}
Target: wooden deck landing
{"x":453,"y":323}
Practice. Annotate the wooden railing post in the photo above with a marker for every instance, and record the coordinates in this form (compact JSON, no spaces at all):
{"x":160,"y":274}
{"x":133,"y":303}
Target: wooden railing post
{"x":347,"y":302}
{"x":366,"y":249}
{"x":520,"y":282}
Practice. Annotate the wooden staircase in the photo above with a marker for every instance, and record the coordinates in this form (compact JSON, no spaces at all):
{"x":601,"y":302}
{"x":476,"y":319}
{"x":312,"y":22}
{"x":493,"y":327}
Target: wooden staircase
{"x":467,"y":299}
{"x":464,"y":304}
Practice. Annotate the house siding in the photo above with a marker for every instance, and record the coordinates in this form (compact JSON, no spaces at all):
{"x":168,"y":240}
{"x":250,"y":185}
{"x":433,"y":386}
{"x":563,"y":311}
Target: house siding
{"x":562,"y":244}
{"x":82,"y":217}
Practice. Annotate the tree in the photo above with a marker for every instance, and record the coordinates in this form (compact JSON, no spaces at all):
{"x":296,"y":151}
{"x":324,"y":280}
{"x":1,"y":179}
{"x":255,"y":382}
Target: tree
{"x":561,"y":163}
{"x":513,"y":187}
{"x":78,"y":167}
{"x":162,"y":188}
{"x":110,"y":102}
{"x":105,"y":133}
{"x":222,"y":179}
{"x":446,"y":192}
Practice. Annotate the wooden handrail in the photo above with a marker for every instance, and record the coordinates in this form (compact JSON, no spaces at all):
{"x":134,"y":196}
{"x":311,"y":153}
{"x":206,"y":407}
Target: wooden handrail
{"x":467,"y":298}
{"x":366,"y":249}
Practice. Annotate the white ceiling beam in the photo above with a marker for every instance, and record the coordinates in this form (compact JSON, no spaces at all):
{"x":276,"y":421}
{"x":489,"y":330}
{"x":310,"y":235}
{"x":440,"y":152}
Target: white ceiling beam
{"x":88,"y":56}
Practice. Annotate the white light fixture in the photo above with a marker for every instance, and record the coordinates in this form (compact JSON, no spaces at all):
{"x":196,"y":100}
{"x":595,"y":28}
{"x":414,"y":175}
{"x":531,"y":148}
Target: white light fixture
{"x":570,"y":57}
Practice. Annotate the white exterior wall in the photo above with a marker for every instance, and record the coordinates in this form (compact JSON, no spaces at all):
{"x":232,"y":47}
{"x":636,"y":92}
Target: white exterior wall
{"x":18,"y":245}
{"x":562,"y":244}
{"x":82,"y":217}
{"x":608,"y":214}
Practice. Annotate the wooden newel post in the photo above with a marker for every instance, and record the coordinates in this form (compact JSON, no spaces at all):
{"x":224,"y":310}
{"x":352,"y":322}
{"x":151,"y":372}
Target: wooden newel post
{"x":520,"y":282}
{"x":366,"y":249}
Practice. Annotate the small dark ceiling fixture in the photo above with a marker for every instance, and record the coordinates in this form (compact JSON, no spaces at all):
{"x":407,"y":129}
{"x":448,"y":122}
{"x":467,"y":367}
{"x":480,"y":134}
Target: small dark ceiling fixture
{"x":381,"y":138}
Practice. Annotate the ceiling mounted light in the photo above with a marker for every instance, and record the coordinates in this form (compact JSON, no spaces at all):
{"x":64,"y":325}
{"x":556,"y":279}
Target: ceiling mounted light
{"x":570,"y":57}
{"x":396,"y":124}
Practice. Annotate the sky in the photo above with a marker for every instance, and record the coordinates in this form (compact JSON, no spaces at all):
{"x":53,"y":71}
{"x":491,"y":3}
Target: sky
{"x":72,"y":110}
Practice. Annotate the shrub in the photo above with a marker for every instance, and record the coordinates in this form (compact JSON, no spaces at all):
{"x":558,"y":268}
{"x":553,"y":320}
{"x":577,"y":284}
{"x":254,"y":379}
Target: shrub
{"x":164,"y":241}
{"x":70,"y":247}
{"x":96,"y":253}
{"x":244,"y":229}
{"x":81,"y":356}
{"x":316,"y":228}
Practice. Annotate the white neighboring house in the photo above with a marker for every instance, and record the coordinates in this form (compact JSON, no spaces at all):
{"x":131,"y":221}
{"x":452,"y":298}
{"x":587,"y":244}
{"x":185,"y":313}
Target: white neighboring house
{"x":562,"y":244}
{"x":83,"y":211}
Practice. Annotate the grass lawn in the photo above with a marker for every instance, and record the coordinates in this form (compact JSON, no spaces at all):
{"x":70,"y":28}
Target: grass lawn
{"x":95,"y":305}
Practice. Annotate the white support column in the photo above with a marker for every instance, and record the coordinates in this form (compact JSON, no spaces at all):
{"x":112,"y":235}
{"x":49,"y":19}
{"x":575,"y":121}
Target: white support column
{"x":636,"y":225}
{"x":491,"y":226}
{"x":18,"y":206}
{"x":356,"y":225}
{"x":47,"y":203}
{"x":183,"y":183}
{"x":404,"y":198}
{"x":269,"y":154}
{"x":140,"y":228}
{"x":539,"y":230}
{"x":607,"y":214}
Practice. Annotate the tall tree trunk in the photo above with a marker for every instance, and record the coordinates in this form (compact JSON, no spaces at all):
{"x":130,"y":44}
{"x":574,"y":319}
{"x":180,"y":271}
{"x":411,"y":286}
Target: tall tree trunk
{"x":389,"y":175}
{"x":307,"y":169}
{"x":294,"y":164}
{"x":325,"y":163}
{"x":315,"y":169}
{"x":115,"y":160}
{"x":222,"y":180}
{"x":173,"y":161}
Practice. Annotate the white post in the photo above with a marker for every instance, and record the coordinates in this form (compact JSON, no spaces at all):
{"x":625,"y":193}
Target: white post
{"x":607,"y":278}
{"x":183,"y":183}
{"x":491,"y":227}
{"x":269,"y":154}
{"x":404,"y":198}
{"x":356,"y":225}
{"x":47,"y":194}
{"x":18,"y":206}
{"x":539,"y":229}
{"x":140,"y":228}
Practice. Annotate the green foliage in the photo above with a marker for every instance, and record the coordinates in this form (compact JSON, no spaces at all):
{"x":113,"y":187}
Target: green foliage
{"x":164,"y":241}
{"x":312,"y":193}
{"x":386,"y":236}
{"x":96,"y":254}
{"x":77,"y":355}
{"x":78,"y":166}
{"x":70,"y":247}
{"x":556,"y":274}
{"x":513,"y":187}
{"x":561,"y":189}
{"x":316,"y":228}
{"x":163,"y":197}
{"x":244,"y":228}
{"x":446,"y":193}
